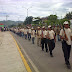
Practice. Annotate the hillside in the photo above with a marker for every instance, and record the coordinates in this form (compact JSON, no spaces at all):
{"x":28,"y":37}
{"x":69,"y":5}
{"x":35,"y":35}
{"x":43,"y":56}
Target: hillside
{"x":9,"y":22}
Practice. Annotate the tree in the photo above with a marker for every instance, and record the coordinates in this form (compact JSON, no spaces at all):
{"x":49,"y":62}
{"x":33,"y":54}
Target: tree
{"x":52,"y":18}
{"x":61,"y":21}
{"x":68,"y":16}
{"x":12,"y":26}
{"x":48,"y":22}
{"x":28,"y":20}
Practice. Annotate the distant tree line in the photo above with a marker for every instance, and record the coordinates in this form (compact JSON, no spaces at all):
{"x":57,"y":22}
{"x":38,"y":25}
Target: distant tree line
{"x":49,"y":20}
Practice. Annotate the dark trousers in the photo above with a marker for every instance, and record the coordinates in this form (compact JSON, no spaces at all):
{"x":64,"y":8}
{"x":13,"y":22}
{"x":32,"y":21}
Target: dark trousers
{"x":58,"y":36}
{"x":22,"y":34}
{"x":29,"y":36}
{"x":66,"y":50}
{"x":51,"y":45}
{"x":25,"y":36}
{"x":44,"y":41}
{"x":33,"y":38}
{"x":18,"y":33}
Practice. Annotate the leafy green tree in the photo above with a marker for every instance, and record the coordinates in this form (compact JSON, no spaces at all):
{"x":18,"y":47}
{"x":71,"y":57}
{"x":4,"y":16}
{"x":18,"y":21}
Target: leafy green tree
{"x":61,"y":21}
{"x":52,"y":18}
{"x":48,"y":22}
{"x":28,"y":20}
{"x":12,"y":26}
{"x":68,"y":16}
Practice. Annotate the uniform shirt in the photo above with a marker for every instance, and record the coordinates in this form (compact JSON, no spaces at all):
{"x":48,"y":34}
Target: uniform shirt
{"x":68,"y":34}
{"x":44,"y":33}
{"x":16,"y":30}
{"x":33,"y":33}
{"x":51,"y":34}
{"x":22,"y":30}
{"x":29,"y":30}
{"x":39,"y":33}
{"x":25,"y":31}
{"x":58,"y":31}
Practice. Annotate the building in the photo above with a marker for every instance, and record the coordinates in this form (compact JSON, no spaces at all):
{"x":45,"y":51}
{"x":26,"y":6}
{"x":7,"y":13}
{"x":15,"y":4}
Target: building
{"x":1,"y":26}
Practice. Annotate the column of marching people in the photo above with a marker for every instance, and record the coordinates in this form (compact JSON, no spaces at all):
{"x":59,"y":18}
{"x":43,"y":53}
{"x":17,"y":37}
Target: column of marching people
{"x":46,"y":37}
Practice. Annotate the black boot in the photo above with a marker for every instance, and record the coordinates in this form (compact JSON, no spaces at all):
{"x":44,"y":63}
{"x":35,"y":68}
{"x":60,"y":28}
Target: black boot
{"x":68,"y":64}
{"x":51,"y":54}
{"x":46,"y":50}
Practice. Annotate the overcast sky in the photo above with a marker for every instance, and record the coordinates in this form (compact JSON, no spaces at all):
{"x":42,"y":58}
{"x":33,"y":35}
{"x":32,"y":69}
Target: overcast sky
{"x":17,"y":9}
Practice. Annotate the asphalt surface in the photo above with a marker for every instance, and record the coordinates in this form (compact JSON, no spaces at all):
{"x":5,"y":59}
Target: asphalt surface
{"x":41,"y":59}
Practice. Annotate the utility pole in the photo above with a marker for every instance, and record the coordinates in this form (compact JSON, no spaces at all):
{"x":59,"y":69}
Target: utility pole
{"x":6,"y":19}
{"x":27,"y":11}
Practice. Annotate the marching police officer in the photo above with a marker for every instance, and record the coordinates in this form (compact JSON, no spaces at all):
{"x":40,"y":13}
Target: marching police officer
{"x":39,"y":36}
{"x":51,"y":40}
{"x":66,"y":37}
{"x":25,"y":32}
{"x":43,"y":36}
{"x":33,"y":35}
{"x":29,"y":33}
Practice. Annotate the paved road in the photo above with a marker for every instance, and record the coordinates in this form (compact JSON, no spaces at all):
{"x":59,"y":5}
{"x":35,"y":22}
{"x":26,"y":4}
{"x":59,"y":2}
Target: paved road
{"x":10,"y":59}
{"x":41,"y":59}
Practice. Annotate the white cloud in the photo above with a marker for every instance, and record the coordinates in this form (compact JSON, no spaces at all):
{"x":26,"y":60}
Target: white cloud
{"x":19,"y":8}
{"x":70,"y":9}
